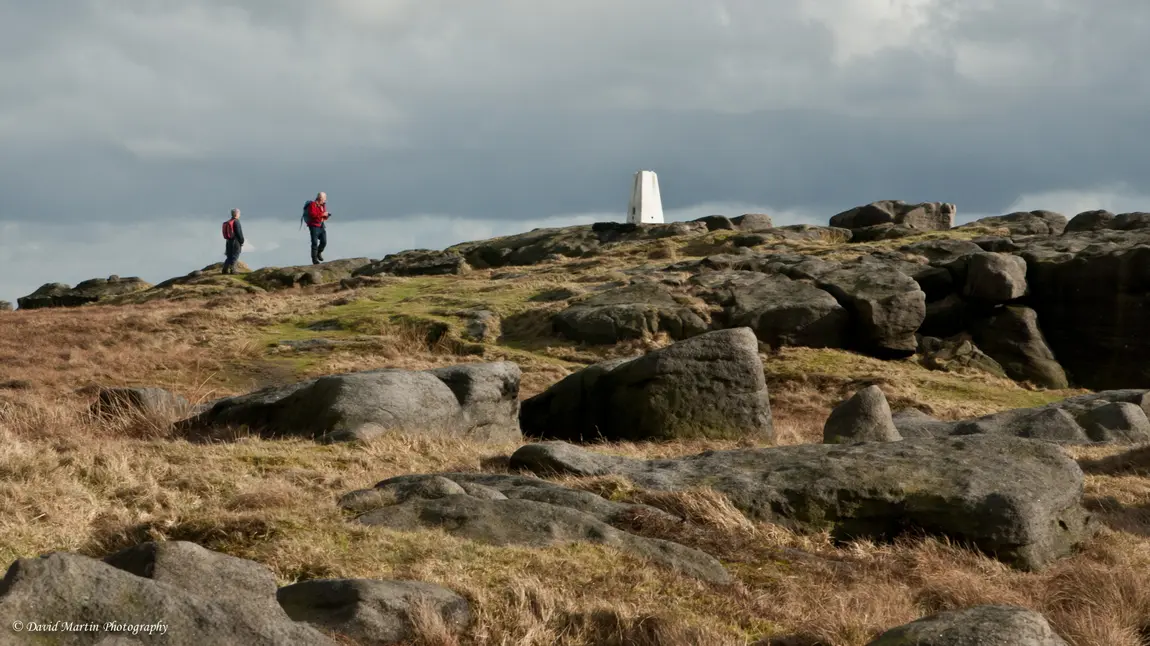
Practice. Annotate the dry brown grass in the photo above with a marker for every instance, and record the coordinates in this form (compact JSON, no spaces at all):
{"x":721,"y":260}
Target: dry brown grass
{"x":73,"y":481}
{"x":76,"y":487}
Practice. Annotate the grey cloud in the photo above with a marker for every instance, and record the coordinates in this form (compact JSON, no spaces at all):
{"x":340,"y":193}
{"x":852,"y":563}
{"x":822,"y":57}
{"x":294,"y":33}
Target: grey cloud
{"x":136,"y":111}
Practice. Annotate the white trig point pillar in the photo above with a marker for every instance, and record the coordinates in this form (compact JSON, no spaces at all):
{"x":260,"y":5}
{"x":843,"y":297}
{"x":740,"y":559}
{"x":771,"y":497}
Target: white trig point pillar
{"x":646,"y":206}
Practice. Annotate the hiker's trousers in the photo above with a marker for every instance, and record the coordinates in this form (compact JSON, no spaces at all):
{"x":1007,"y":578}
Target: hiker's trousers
{"x":231,"y":253}
{"x":318,"y":240}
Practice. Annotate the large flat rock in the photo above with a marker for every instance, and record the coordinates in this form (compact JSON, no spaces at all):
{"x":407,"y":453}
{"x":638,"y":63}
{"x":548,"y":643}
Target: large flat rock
{"x":636,"y":311}
{"x":514,"y":510}
{"x":70,"y":587}
{"x":84,"y":293}
{"x":1108,"y":417}
{"x":1016,"y":499}
{"x":781,"y":311}
{"x":479,"y":400}
{"x":887,"y":307}
{"x":990,"y":625}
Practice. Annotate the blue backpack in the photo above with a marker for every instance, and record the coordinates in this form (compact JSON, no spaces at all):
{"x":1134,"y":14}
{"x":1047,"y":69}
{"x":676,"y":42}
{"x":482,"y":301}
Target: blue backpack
{"x":303,"y":218}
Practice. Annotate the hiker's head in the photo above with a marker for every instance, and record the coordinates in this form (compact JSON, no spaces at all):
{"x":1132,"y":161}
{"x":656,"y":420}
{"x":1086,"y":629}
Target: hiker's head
{"x":235,"y":213}
{"x":321,"y":197}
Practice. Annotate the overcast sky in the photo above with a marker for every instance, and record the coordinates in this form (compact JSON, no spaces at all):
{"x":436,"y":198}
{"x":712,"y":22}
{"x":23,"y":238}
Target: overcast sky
{"x":129,"y":128}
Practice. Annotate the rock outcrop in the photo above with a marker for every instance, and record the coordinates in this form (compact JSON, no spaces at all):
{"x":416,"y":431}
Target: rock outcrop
{"x":750,"y":222}
{"x":1011,"y":336}
{"x":780,"y":310}
{"x":711,"y":385}
{"x":187,"y":609}
{"x":417,"y":262}
{"x":887,"y":307}
{"x":89,"y":291}
{"x":925,"y":216}
{"x":370,"y":611}
{"x":992,"y":625}
{"x":176,"y":592}
{"x":272,"y":278}
{"x":1090,"y":292}
{"x":477,"y":400}
{"x":1016,"y":499}
{"x":1086,"y":284}
{"x":515,"y":510}
{"x":1101,"y":220}
{"x":995,"y":277}
{"x":240,"y":584}
{"x":571,"y":242}
{"x":1111,"y":417}
{"x":1024,"y":223}
{"x":636,"y":311}
{"x":955,"y":354}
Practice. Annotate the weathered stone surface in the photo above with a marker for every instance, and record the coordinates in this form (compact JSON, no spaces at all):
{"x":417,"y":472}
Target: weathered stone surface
{"x":1024,"y":223}
{"x":633,"y":312}
{"x":480,"y":325}
{"x":1092,"y":296}
{"x":89,"y":291}
{"x":532,"y":512}
{"x":886,"y":305}
{"x":992,"y":625}
{"x":888,"y":231}
{"x":711,"y":385}
{"x":478,"y":400}
{"x":1050,"y":424}
{"x":913,"y":423}
{"x":1114,"y":417}
{"x":1090,"y":221}
{"x":586,"y":241}
{"x":795,"y":266}
{"x":753,"y":222}
{"x":1116,"y":422}
{"x":372,"y":611}
{"x":717,"y":222}
{"x":1017,"y":499}
{"x":995,"y":277}
{"x":417,"y":262}
{"x":945,"y":250}
{"x":1132,"y":221}
{"x":945,"y":317}
{"x":1011,"y":336}
{"x":238,"y":583}
{"x":956,"y":353}
{"x":84,"y":590}
{"x":152,"y":402}
{"x":865,"y":417}
{"x":273,"y":278}
{"x":1100,"y":220}
{"x":926,"y":216}
{"x":781,"y":311}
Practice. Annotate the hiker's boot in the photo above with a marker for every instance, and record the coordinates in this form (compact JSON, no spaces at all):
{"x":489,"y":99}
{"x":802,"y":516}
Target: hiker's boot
{"x":320,"y":256}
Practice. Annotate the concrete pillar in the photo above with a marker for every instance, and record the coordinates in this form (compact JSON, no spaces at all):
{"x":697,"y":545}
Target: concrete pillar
{"x":646,"y":206}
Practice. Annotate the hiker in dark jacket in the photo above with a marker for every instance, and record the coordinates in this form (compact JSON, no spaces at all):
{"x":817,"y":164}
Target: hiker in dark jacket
{"x":316,"y":214}
{"x":234,"y":236}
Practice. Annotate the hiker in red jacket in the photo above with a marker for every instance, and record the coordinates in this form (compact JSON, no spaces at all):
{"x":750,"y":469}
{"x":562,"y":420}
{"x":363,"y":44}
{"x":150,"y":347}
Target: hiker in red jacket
{"x":316,"y":215}
{"x":234,"y":237}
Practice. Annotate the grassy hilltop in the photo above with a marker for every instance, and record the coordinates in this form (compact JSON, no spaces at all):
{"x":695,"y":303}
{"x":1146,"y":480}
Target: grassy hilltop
{"x":72,"y":481}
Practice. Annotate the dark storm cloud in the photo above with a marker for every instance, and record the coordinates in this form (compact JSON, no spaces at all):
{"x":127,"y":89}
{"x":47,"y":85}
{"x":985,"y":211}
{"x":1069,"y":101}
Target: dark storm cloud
{"x":138,"y":112}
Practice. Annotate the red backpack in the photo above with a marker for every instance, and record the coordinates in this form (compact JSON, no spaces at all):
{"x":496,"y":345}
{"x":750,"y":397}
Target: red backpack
{"x":229,"y":230}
